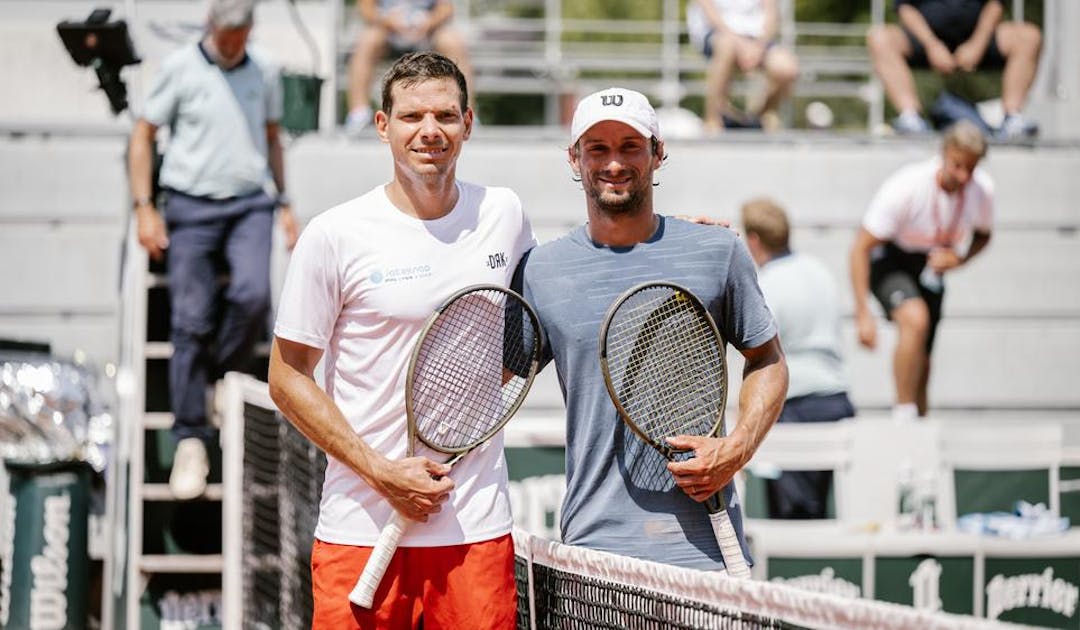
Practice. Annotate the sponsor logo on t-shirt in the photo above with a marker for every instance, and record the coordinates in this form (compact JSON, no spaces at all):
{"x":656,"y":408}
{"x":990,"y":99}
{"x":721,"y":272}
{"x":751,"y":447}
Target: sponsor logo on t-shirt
{"x":496,"y":261}
{"x":400,"y":274}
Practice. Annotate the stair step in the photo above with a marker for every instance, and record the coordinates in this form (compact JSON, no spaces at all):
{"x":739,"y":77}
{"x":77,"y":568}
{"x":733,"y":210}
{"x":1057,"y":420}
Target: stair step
{"x":182,"y":563}
{"x":157,"y":420}
{"x":158,"y":349}
{"x":155,"y":280}
{"x":161,"y":492}
{"x":158,"y":280}
{"x":164,"y":349}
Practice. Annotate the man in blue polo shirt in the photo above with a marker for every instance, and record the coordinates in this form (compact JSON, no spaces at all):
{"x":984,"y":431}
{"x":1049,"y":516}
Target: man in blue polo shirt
{"x":222,"y":103}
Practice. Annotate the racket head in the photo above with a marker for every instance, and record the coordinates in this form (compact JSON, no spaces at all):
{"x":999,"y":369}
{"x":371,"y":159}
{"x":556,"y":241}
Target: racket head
{"x":663,"y":362}
{"x":471,"y":368}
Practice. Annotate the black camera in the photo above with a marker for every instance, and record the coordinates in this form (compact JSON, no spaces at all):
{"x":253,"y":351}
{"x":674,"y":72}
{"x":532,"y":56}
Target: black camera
{"x":106,"y":47}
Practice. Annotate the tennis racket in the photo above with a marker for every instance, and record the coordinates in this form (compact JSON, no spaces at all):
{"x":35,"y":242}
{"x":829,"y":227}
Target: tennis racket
{"x":475,"y":360}
{"x":664,"y":367}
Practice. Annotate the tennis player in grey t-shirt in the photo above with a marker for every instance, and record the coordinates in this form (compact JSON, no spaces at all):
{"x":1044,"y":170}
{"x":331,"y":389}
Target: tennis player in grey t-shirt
{"x":622,"y":495}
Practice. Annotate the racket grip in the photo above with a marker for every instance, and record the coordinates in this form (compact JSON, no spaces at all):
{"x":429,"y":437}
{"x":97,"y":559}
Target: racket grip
{"x":364,"y":592}
{"x":730,"y":548}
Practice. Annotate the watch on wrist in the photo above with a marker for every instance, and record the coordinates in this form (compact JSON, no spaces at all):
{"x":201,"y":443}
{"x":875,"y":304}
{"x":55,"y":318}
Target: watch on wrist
{"x":283,"y":200}
{"x":140,"y":202}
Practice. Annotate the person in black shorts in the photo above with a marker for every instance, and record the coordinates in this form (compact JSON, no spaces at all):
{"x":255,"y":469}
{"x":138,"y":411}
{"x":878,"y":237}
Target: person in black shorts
{"x":951,"y":36}
{"x":914,"y":234}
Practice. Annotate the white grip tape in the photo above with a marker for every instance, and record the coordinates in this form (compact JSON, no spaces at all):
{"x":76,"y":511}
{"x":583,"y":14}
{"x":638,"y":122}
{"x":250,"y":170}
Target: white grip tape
{"x":364,"y":592}
{"x":730,"y":548}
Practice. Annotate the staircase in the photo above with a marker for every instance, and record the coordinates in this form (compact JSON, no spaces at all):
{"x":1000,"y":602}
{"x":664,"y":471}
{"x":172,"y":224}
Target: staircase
{"x":167,"y":563}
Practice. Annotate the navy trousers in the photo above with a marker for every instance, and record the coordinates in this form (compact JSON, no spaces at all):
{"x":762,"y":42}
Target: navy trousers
{"x":214,"y":329}
{"x":804,"y":494}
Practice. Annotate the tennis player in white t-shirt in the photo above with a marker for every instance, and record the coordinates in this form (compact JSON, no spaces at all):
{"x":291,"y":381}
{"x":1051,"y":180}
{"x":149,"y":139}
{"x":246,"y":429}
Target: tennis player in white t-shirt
{"x":364,"y":277}
{"x":913,"y":234}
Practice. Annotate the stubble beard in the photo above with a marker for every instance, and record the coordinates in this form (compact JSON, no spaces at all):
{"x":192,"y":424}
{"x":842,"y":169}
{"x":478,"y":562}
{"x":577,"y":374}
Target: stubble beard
{"x":616,"y":204}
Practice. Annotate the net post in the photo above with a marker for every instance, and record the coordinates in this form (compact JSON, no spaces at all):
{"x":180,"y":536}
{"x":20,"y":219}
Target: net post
{"x":532,"y":590}
{"x":232,"y":472}
{"x":523,"y":546}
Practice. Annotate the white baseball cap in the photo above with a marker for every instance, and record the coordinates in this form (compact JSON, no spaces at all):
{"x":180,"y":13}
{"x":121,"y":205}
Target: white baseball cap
{"x":619,"y":104}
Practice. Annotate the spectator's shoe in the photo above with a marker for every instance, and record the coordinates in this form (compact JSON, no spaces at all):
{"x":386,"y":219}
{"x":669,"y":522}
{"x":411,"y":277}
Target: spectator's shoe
{"x":1016,"y":127}
{"x":190,"y":469}
{"x":771,"y":121}
{"x":911,"y":124}
{"x":357,"y":121}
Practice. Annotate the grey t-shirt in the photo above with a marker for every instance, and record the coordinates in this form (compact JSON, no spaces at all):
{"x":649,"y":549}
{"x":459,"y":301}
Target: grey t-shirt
{"x":620,"y":496}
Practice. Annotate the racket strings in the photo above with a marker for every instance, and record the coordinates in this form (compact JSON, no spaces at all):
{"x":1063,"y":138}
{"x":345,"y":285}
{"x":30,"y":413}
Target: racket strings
{"x":666,"y":365}
{"x":472,"y":369}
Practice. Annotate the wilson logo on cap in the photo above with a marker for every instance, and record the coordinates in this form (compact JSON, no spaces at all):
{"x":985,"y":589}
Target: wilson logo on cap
{"x":616,"y":104}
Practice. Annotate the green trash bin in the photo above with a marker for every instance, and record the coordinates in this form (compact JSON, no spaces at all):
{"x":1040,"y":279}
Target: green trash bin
{"x":301,"y":94}
{"x":45,"y":574}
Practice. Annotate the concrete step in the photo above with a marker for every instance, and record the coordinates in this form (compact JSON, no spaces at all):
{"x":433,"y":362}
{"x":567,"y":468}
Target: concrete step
{"x":181,"y":563}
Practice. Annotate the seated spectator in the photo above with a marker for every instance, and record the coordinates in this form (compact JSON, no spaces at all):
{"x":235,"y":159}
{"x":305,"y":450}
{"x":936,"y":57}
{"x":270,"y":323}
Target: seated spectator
{"x":398,"y":27}
{"x":805,"y":301}
{"x":741,"y":35}
{"x":952,"y":36}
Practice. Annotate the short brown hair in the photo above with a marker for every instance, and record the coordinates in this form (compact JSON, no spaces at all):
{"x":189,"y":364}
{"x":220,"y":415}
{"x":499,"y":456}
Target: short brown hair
{"x":767,"y":219}
{"x":417,"y":67}
{"x":967,"y":137}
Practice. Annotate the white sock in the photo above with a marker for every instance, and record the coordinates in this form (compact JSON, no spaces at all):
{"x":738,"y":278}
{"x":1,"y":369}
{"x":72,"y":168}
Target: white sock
{"x":905,"y":412}
{"x":362,"y":113}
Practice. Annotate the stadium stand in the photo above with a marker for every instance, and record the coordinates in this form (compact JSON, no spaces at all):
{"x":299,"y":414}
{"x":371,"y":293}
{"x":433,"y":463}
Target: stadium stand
{"x":558,"y":58}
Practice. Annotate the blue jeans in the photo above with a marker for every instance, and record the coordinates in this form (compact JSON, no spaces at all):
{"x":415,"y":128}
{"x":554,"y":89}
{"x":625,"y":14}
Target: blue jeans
{"x":214,"y":330}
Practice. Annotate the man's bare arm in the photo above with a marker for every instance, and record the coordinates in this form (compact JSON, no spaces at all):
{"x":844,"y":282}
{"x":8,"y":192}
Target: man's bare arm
{"x":150,"y":225}
{"x":290,"y":227}
{"x":716,"y":460}
{"x":969,"y":53}
{"x":407,"y":483}
{"x":859,"y":265}
{"x":937,"y":53}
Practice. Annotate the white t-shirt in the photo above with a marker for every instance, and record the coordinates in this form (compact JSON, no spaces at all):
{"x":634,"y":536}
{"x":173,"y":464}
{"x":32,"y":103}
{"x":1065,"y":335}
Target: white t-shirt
{"x":743,"y":17}
{"x":363,"y":279}
{"x":912,"y":211}
{"x":803,"y":298}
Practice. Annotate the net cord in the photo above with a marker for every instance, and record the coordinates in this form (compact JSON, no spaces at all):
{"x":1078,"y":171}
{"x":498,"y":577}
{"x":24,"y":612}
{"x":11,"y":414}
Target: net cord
{"x":780,"y":601}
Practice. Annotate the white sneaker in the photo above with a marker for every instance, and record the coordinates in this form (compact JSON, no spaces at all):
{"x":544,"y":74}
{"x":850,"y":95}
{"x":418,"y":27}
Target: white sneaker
{"x":1015,"y":127}
{"x":910,"y":123}
{"x":904,"y":413}
{"x":358,"y":120}
{"x":190,"y":469}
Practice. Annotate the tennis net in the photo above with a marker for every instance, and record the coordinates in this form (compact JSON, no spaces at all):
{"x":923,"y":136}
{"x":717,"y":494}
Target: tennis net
{"x":273,"y":477}
{"x":272,"y":500}
{"x":568,"y":588}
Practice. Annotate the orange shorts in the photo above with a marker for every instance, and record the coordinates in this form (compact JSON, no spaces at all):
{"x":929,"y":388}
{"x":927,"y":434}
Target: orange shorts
{"x":459,"y":586}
